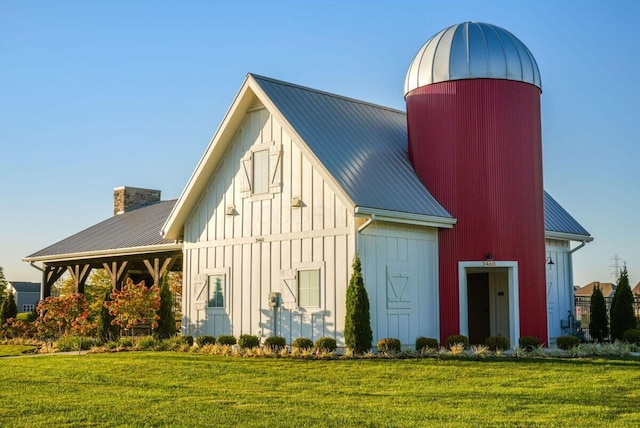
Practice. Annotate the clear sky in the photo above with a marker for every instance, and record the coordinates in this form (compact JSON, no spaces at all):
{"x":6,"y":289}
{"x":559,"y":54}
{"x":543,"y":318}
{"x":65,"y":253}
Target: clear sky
{"x":97,"y":95}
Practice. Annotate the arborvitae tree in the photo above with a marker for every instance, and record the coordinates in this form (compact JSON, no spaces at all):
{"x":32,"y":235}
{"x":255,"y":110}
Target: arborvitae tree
{"x":167,"y":322}
{"x":598,"y":326}
{"x":3,"y":287}
{"x":106,"y":330}
{"x":357,"y":326}
{"x":9,"y":307}
{"x":622,"y":316}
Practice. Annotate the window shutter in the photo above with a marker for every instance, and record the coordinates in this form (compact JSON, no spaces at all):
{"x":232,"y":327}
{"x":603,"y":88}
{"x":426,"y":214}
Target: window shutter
{"x":246,"y":169}
{"x":275,"y":168}
{"x":289,"y":289}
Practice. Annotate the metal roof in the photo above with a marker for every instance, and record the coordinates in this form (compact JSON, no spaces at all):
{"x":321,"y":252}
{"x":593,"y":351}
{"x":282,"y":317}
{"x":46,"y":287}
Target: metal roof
{"x":136,"y":228}
{"x":362,"y":145}
{"x":25,"y":287}
{"x":557,"y":219}
{"x":472,"y":50}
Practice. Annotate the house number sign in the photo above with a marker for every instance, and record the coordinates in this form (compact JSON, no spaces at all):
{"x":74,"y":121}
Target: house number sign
{"x":489,"y":263}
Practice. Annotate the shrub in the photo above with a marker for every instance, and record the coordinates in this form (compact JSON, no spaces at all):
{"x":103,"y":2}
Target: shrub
{"x":357,"y":326}
{"x":326,"y":344}
{"x":303,"y":343}
{"x":622,"y":316}
{"x":598,"y":324}
{"x":126,"y":342}
{"x":275,"y":343}
{"x":529,"y":343}
{"x":495,"y":343}
{"x":426,"y":342}
{"x":205,"y":340}
{"x":27,"y":316}
{"x":632,"y":335}
{"x":455,"y":339}
{"x":567,"y":342}
{"x":146,"y":343}
{"x":187,"y":340}
{"x":167,"y":319}
{"x":226,"y":339}
{"x":248,"y":341}
{"x":388,"y":344}
{"x":72,"y":343}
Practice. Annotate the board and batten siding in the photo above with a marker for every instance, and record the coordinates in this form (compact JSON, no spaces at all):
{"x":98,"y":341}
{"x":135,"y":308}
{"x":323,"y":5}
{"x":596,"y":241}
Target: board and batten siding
{"x":259,"y":241}
{"x":560,"y":299}
{"x":400,"y":272}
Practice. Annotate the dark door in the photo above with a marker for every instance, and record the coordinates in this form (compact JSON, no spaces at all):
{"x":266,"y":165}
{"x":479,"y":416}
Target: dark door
{"x":478,"y":307}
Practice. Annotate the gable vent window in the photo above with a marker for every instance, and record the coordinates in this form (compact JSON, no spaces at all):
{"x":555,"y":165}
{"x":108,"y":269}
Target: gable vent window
{"x":262,"y":171}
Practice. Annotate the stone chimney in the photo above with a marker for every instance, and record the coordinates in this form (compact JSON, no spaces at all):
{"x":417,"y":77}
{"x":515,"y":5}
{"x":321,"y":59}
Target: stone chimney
{"x":125,"y":198}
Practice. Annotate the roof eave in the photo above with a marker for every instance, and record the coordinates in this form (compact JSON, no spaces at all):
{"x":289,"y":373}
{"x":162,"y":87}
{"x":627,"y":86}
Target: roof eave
{"x":552,"y":234}
{"x":116,"y":252}
{"x":406,"y":218}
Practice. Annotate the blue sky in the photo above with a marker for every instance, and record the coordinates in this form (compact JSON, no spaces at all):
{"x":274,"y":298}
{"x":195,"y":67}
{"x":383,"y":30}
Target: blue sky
{"x":97,"y":95}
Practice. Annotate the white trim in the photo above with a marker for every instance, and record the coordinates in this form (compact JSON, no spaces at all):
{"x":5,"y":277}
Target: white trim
{"x":406,"y":218}
{"x":102,"y":253}
{"x":567,"y":236}
{"x":514,"y":303}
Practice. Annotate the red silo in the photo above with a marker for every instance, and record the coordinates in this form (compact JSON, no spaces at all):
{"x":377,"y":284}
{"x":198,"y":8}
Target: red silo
{"x":473,"y":116}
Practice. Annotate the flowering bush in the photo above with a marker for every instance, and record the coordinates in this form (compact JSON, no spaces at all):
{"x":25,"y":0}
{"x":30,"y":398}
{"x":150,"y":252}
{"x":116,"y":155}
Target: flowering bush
{"x":63,"y":316}
{"x":134,"y":304}
{"x":14,"y":328}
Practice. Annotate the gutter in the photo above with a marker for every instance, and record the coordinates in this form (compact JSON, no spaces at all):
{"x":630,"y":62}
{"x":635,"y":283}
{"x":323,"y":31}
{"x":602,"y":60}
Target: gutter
{"x":367,"y":223}
{"x":579,"y":246}
{"x":102,"y":253}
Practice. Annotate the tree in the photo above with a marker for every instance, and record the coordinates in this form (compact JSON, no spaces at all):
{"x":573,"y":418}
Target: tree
{"x":167,"y":321}
{"x":9,"y":307}
{"x":3,"y":287}
{"x":98,"y":284}
{"x":64,"y":315}
{"x":134,"y":304}
{"x":598,"y":326}
{"x":107,"y":330}
{"x":622,"y":316}
{"x":357,"y":328}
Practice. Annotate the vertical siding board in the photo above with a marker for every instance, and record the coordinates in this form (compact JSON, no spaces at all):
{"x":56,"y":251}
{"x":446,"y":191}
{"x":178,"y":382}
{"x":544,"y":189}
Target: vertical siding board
{"x":255,"y":288}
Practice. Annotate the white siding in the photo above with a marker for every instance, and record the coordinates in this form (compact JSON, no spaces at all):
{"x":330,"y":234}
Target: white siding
{"x":399,"y":265}
{"x":265,"y":238}
{"x":560,"y":298}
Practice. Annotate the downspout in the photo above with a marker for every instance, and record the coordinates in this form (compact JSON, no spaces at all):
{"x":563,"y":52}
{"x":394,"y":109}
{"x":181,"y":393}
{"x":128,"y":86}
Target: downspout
{"x":578,"y":247}
{"x":367,"y":223}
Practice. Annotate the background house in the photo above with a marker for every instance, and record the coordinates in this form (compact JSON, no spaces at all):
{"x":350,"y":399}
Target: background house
{"x":27,"y":295}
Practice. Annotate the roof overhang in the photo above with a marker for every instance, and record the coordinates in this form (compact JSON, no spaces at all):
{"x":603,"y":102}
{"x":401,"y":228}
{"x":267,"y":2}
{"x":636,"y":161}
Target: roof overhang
{"x":406,"y":218}
{"x":117,"y":252}
{"x":550,"y":234}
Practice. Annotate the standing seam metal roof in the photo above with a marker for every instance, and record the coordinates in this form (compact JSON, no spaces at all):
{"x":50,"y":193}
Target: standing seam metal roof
{"x":364,"y":146}
{"x":136,"y":228}
{"x":557,"y":219}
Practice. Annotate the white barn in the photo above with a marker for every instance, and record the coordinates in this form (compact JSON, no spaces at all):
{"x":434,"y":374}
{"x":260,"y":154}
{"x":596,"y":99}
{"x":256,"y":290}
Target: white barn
{"x":293,"y":184}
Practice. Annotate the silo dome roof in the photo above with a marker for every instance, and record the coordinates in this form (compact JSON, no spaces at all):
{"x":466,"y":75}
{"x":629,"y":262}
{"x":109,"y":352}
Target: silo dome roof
{"x":472,"y":50}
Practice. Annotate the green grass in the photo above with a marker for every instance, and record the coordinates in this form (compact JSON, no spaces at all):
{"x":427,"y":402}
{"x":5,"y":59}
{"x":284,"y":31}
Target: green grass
{"x":12,"y":350}
{"x":173,"y":389}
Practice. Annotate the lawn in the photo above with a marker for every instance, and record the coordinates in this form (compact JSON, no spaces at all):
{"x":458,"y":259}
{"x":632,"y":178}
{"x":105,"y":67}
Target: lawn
{"x":13,"y":350}
{"x":174,"y":389}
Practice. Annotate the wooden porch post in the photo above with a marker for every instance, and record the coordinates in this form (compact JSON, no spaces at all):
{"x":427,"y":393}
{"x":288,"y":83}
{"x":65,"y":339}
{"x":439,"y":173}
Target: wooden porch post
{"x":79,"y":273}
{"x":116,"y":273}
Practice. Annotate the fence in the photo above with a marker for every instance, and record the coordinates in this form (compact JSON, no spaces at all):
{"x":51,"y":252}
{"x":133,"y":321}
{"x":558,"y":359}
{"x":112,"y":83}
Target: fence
{"x":583,"y":313}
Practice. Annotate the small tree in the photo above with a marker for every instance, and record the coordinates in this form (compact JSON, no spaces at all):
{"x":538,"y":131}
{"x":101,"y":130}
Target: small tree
{"x":357,"y":328}
{"x":598,"y":326}
{"x":62,"y":316}
{"x":9,"y":307}
{"x":107,"y":330}
{"x":3,"y":288}
{"x":134,"y":304}
{"x":167,"y":321}
{"x":622,"y":316}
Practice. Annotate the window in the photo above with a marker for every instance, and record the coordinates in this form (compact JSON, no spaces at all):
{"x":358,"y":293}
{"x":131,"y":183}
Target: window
{"x":216,"y":291}
{"x":260,"y":172}
{"x":309,"y":288}
{"x":28,"y":308}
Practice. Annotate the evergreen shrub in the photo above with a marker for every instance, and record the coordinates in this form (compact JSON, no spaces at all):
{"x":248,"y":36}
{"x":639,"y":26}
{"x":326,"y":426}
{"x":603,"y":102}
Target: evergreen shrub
{"x":529,"y":342}
{"x":495,"y":343}
{"x":357,"y":328}
{"x":226,"y":339}
{"x":205,"y":340}
{"x":632,"y":335}
{"x":187,"y":339}
{"x":622,"y":316}
{"x":167,"y":321}
{"x":248,"y":341}
{"x":455,"y":339}
{"x":426,"y":342}
{"x":598,"y":324}
{"x":389,"y":344}
{"x":302,"y":343}
{"x":275,"y":343}
{"x":327,"y":344}
{"x":567,"y":342}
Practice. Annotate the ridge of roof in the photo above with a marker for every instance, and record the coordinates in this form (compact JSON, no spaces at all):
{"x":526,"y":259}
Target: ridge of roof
{"x":329,"y":94}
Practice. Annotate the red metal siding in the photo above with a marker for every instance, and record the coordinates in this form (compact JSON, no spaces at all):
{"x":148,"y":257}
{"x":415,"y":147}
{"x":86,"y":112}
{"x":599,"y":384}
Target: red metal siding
{"x":476,"y":145}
